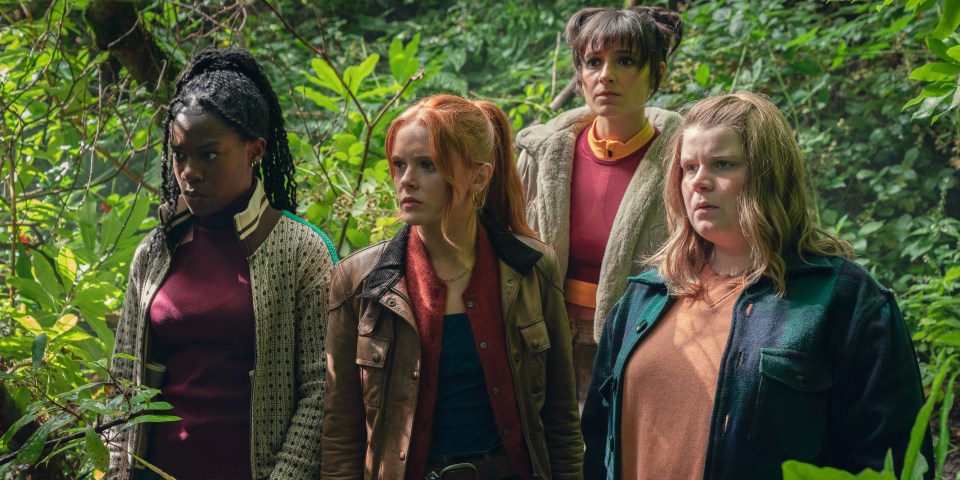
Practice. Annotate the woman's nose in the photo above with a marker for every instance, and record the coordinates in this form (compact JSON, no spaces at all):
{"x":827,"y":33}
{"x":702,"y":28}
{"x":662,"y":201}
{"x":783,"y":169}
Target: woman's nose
{"x":702,"y":180}
{"x":188,"y":172}
{"x":606,"y":72}
{"x":407,"y":179}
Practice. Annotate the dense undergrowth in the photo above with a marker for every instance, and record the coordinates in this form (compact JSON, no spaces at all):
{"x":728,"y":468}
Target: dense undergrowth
{"x":79,"y":144}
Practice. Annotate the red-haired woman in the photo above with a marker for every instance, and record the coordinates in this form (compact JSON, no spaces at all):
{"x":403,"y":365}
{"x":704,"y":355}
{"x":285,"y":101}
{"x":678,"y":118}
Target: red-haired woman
{"x":448,"y":348}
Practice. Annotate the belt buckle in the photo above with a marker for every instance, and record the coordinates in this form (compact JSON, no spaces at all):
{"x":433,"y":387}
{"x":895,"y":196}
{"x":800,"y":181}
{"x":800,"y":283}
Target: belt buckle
{"x":456,"y":467}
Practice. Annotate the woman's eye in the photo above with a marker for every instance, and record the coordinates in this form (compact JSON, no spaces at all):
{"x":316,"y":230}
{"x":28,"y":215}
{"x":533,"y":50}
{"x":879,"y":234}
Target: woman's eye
{"x":399,"y":166}
{"x":210,"y":155}
{"x":626,"y":61}
{"x":179,"y":157}
{"x":427,"y":165}
{"x":689,"y":168}
{"x":723,"y":164}
{"x":592,"y":62}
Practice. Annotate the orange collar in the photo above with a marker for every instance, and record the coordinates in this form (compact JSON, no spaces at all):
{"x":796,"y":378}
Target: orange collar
{"x":614,"y":150}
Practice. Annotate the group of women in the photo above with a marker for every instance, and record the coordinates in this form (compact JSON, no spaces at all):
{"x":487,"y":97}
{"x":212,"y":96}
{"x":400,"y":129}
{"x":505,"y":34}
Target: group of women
{"x":639,"y":295}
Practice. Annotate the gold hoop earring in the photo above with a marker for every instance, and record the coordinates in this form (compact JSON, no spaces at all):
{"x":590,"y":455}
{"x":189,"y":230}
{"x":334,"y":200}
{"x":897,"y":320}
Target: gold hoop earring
{"x":477,"y":205}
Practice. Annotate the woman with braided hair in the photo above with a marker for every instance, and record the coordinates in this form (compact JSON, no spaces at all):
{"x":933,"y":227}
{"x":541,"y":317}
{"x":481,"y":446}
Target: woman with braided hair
{"x":226,"y":306}
{"x":592,"y":175}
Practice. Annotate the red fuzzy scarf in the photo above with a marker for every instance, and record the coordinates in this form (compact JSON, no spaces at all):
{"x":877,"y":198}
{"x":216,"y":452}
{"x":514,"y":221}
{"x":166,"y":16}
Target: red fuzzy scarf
{"x":428,"y":295}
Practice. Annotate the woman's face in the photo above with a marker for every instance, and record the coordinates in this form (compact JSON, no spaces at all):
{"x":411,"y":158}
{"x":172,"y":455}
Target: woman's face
{"x":421,"y":190}
{"x":613,"y":84}
{"x":213,"y":165}
{"x":714,"y":170}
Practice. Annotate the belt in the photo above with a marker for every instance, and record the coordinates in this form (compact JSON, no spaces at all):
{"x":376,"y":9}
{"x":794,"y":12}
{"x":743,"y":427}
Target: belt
{"x":492,"y":464}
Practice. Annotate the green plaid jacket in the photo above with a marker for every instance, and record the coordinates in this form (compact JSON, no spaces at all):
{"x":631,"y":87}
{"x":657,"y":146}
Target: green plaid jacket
{"x":825,"y":375}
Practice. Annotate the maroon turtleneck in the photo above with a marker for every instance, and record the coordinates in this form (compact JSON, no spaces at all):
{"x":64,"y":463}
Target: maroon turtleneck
{"x":202,"y":318}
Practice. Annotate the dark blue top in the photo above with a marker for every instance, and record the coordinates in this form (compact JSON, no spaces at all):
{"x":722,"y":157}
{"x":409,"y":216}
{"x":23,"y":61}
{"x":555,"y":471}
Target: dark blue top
{"x":463,"y":417}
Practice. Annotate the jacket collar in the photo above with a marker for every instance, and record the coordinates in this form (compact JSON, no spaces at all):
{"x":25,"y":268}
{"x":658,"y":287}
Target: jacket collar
{"x":252,"y":225}
{"x":795,"y":266}
{"x":390,"y":265}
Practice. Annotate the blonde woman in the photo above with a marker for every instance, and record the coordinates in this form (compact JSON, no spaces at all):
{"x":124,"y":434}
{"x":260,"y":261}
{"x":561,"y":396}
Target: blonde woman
{"x":753,"y":339}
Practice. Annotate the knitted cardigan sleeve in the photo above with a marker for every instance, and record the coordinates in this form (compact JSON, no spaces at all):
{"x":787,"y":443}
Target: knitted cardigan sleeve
{"x":299,"y":456}
{"x":120,"y":441}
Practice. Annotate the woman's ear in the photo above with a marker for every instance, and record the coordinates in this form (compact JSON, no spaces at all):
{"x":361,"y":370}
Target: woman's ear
{"x":482,"y":178}
{"x":255,"y":151}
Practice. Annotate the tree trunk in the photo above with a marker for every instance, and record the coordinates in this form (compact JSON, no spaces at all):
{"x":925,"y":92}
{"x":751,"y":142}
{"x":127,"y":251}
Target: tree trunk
{"x":118,"y":30}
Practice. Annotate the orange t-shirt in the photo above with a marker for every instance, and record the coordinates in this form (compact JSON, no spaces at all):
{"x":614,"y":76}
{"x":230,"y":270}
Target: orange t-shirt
{"x":670,"y":382}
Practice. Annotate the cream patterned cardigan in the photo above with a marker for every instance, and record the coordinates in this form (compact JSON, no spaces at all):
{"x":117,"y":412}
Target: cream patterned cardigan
{"x":545,"y":165}
{"x":290,"y":265}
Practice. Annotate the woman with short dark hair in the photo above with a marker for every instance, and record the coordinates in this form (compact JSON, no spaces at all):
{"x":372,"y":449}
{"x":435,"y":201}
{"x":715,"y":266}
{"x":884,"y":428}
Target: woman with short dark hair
{"x":592,"y":175}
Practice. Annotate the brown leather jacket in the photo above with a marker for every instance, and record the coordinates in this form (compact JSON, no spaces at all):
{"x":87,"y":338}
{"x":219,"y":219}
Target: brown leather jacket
{"x":373,"y":360}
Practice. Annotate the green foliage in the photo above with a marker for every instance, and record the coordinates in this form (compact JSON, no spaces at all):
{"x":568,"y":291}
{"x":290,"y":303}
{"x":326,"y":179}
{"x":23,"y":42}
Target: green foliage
{"x":940,"y":76}
{"x":72,"y":419}
{"x":79,"y":147}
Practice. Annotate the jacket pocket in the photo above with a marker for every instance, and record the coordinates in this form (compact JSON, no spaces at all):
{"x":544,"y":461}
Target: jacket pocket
{"x":371,"y":358}
{"x":536,"y":342}
{"x":791,"y":405}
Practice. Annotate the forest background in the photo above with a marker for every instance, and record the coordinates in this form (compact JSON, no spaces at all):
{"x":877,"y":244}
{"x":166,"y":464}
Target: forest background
{"x":870,"y":88}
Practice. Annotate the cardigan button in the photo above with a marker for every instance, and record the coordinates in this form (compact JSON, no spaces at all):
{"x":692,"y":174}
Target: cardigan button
{"x":469,"y":303}
{"x":506,"y":431}
{"x":510,"y":280}
{"x":483,"y":345}
{"x":496,"y":390}
{"x":391,"y":303}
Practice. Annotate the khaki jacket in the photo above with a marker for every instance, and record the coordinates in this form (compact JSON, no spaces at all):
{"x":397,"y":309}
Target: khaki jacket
{"x":373,"y":361}
{"x":290,"y":265}
{"x":545,"y":165}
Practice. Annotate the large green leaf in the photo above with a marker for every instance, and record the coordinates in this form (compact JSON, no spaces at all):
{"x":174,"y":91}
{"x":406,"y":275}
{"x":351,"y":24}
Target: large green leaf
{"x":33,"y":447}
{"x":327,"y":76}
{"x":96,"y":451}
{"x":936,"y":71}
{"x":39,"y":350}
{"x":318,"y":98}
{"x":914,"y":465}
{"x":943,"y":441}
{"x":794,"y":470}
{"x":29,"y":416}
{"x":354,"y":75}
{"x":67,"y":265}
{"x":949,"y":19}
{"x":403,"y":59}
